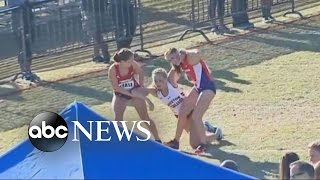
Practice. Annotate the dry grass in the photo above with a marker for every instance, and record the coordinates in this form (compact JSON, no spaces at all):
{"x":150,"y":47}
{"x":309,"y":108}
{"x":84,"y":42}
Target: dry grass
{"x":12,"y":137}
{"x":277,"y":111}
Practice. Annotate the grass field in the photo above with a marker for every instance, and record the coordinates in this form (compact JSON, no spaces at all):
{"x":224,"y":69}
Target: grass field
{"x":268,"y":100}
{"x":276,"y":109}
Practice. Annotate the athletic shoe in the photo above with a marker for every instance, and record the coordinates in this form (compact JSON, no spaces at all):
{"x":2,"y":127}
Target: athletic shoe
{"x":215,"y":130}
{"x":201,"y":149}
{"x":224,"y":28}
{"x":271,"y":19}
{"x":215,"y":29}
{"x":209,"y":127}
{"x":173,"y":144}
{"x":28,"y":76}
{"x":219,"y":134}
{"x":106,"y":58}
{"x":101,"y":59}
{"x":98,"y":59}
{"x":265,"y":20}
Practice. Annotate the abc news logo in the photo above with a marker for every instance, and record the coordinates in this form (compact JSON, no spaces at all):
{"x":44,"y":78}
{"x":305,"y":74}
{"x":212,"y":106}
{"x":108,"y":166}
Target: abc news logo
{"x":48,"y":131}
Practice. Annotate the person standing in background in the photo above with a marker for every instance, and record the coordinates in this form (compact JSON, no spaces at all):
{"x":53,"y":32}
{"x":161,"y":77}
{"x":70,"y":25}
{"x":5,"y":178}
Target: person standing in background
{"x":94,"y":22}
{"x":125,"y":22}
{"x":266,"y":11}
{"x":23,"y":29}
{"x":239,"y":14}
{"x":217,"y":7}
{"x":284,"y":167}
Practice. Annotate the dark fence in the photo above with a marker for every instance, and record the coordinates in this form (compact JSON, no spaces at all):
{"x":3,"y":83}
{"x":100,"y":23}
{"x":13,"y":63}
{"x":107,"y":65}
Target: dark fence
{"x":200,"y":11}
{"x":39,"y":28}
{"x":10,"y":31}
{"x":165,"y":20}
{"x":57,"y":26}
{"x":201,"y":8}
{"x":44,"y":27}
{"x":64,"y":25}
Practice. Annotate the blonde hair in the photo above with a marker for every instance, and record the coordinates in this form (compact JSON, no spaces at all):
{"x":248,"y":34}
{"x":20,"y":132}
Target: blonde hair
{"x":169,"y":52}
{"x":159,"y":71}
{"x":173,"y":50}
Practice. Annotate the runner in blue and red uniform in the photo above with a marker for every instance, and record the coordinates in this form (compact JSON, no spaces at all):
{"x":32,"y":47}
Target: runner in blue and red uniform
{"x":126,"y":88}
{"x":199,"y":99}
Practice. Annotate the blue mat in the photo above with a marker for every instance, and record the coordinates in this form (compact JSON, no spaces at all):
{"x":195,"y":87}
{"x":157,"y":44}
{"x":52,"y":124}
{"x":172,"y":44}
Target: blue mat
{"x":105,"y":160}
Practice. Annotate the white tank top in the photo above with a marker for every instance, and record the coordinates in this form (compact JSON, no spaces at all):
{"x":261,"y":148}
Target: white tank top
{"x":173,"y":99}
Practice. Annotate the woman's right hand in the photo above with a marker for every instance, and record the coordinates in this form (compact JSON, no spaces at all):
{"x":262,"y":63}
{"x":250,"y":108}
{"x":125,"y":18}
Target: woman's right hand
{"x":148,"y":101}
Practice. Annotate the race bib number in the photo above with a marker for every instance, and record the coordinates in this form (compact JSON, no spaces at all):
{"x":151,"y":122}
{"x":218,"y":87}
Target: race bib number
{"x":127,"y":84}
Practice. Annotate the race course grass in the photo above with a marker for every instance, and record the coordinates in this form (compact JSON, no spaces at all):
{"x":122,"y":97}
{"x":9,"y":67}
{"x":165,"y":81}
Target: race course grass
{"x":278,"y":111}
{"x":268,"y":100}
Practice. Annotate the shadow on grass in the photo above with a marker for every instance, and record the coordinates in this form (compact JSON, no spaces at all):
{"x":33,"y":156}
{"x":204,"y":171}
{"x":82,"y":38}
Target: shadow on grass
{"x":246,"y":165}
{"x":154,"y":15}
{"x":255,"y":48}
{"x":224,"y":143}
{"x":229,"y":76}
{"x":5,"y":90}
{"x":18,"y":112}
{"x":303,"y":38}
{"x":305,"y":25}
{"x":89,"y":92}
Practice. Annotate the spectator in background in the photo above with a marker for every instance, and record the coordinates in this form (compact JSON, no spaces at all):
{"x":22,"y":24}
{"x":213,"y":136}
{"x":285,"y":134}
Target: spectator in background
{"x":266,"y":10}
{"x":94,"y":20}
{"x":284,"y":168}
{"x":23,"y":28}
{"x":314,"y":152}
{"x":230,"y":165}
{"x":301,"y":170}
{"x":239,"y":14}
{"x":217,"y":7}
{"x":124,"y":18}
{"x":317,"y":171}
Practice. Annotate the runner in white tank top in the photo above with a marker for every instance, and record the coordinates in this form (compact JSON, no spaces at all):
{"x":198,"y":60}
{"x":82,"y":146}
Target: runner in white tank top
{"x":173,"y":99}
{"x":169,"y":93}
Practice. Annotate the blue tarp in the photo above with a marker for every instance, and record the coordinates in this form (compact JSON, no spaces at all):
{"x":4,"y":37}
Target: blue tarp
{"x":105,"y":160}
